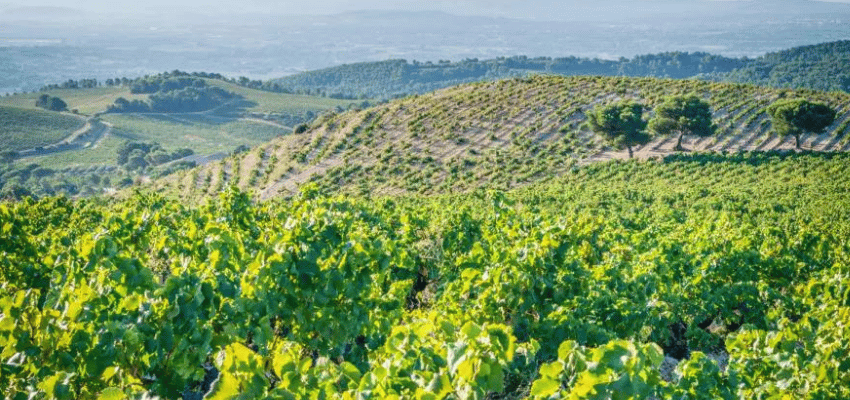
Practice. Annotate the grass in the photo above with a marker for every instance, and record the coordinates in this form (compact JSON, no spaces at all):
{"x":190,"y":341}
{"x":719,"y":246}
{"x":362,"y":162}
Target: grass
{"x":22,"y":125}
{"x":203,"y":137}
{"x":91,"y":101}
{"x":104,"y":154}
{"x":270,"y":102}
{"x":27,"y":128}
{"x":86,"y":101}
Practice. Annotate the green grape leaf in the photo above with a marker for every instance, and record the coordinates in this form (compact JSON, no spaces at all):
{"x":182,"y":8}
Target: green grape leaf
{"x":226,"y":387}
{"x":545,"y":387}
{"x":112,"y":393}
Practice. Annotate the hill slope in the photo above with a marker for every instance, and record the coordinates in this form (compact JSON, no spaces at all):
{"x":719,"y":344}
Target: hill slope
{"x":823,"y":66}
{"x":252,"y":117}
{"x":24,"y":128}
{"x":394,"y":78}
{"x":496,"y":134}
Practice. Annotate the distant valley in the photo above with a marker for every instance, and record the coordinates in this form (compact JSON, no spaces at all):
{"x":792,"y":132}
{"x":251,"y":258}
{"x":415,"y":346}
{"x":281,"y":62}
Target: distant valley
{"x":38,"y":48}
{"x":273,"y":135}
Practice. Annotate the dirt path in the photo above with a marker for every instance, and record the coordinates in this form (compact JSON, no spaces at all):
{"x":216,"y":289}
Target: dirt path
{"x":105,"y":134}
{"x":664,"y":146}
{"x":94,"y":131}
{"x":89,"y":136}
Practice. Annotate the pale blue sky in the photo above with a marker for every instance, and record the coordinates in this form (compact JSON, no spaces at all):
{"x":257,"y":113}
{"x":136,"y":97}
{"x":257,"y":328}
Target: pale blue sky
{"x":537,"y":9}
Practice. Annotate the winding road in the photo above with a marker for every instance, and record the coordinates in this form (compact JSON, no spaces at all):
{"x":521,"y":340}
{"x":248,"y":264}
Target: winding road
{"x":89,"y":136}
{"x":92,"y":133}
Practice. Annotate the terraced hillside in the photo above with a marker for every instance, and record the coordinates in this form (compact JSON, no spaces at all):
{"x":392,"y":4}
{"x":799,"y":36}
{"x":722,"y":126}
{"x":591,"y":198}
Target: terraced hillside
{"x":500,"y":134}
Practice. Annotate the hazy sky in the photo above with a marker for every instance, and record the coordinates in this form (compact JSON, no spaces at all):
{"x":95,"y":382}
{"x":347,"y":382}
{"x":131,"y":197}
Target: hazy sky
{"x":536,"y":9}
{"x":48,"y":41}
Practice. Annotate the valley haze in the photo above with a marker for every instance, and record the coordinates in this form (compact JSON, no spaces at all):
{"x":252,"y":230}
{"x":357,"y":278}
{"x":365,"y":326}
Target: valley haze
{"x":45,"y":42}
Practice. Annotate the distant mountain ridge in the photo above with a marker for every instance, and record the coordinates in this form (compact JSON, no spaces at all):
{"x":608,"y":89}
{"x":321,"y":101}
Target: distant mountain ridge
{"x":824,"y":66}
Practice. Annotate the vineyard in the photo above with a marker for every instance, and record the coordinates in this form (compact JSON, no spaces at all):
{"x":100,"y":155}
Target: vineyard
{"x":27,"y":128}
{"x":502,"y":135}
{"x":702,"y":276}
{"x":250,"y":119}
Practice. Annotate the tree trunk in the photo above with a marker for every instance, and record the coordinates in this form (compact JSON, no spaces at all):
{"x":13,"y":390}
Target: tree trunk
{"x":679,"y":142}
{"x":797,"y":141}
{"x":630,"y":151}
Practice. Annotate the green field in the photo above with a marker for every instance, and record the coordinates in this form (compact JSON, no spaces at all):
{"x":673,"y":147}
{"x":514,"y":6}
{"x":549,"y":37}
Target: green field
{"x":90,"y":101}
{"x":27,"y":128}
{"x":85,"y":101}
{"x":104,"y":154}
{"x":196,"y":133}
{"x":270,"y":102}
{"x":255,"y":118}
{"x":203,"y":138}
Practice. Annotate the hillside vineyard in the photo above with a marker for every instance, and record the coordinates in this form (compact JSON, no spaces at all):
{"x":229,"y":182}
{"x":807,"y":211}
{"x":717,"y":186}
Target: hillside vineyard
{"x":502,"y":135}
{"x":702,"y":276}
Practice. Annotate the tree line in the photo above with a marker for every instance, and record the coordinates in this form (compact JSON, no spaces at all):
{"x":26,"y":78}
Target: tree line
{"x":623,"y":126}
{"x":824,"y":66}
{"x":90,"y":83}
{"x":394,"y":78}
{"x":140,"y":155}
{"x":170,"y":93}
{"x":820,"y":67}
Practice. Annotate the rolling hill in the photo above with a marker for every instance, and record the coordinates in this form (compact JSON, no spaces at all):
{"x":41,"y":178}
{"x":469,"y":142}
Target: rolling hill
{"x":86,"y":101}
{"x":22,"y":128}
{"x":76,"y":154}
{"x":824,"y":66}
{"x":395,"y":78}
{"x":499,"y":134}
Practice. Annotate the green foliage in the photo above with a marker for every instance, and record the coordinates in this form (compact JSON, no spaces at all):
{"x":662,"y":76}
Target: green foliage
{"x":621,"y":124}
{"x":165,"y":83}
{"x":575,"y":289}
{"x":502,"y":135}
{"x":22,"y":129}
{"x":49,"y":103}
{"x":797,"y":116}
{"x":683,"y":115}
{"x":398,"y":78}
{"x":617,"y":370}
{"x":824,"y":66}
{"x":806,"y":355}
{"x":174,"y":99}
{"x":301,"y":128}
{"x":139,"y":155}
{"x":818,"y":67}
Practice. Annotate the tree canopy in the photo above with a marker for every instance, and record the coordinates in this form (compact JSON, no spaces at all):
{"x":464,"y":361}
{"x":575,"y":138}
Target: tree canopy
{"x":797,"y":116}
{"x":683,"y":115}
{"x":621,"y":124}
{"x":47,"y":102}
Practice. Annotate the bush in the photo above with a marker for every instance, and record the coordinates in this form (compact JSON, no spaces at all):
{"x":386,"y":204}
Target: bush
{"x":47,"y":102}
